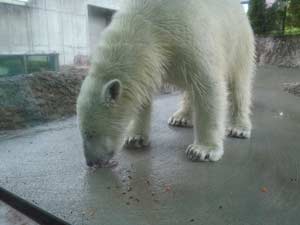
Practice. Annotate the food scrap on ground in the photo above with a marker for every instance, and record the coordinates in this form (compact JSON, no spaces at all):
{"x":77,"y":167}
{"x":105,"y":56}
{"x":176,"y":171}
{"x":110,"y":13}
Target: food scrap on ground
{"x":168,"y":188}
{"x":90,"y":212}
{"x":264,"y":189}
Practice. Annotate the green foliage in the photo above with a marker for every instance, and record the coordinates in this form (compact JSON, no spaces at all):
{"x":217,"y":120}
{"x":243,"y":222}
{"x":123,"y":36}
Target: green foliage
{"x":293,"y":14}
{"x":292,"y":30}
{"x":281,"y":13}
{"x":272,"y":18}
{"x":257,"y":16}
{"x":283,"y":17}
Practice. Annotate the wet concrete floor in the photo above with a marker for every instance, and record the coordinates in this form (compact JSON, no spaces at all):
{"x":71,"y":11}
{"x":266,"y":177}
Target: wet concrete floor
{"x":256,"y":183}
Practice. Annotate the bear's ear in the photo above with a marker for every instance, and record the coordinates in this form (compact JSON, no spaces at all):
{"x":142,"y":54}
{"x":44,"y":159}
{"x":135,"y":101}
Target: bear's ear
{"x":111,"y":91}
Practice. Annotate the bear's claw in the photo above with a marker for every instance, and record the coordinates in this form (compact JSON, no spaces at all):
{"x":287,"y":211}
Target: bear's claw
{"x":102,"y":164}
{"x":198,"y":153}
{"x":179,"y":121}
{"x":136,"y":142}
{"x":236,"y":132}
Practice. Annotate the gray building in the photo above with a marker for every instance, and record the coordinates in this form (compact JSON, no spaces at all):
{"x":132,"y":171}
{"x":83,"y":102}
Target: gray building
{"x":68,"y":27}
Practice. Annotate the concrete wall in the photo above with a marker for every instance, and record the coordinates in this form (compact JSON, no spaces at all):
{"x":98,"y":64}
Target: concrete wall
{"x":108,"y":4}
{"x":98,"y":19}
{"x":46,"y":26}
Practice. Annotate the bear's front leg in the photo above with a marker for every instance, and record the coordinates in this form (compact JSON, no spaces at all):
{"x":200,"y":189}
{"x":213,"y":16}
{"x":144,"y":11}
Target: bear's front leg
{"x":139,"y":129}
{"x":209,"y":123}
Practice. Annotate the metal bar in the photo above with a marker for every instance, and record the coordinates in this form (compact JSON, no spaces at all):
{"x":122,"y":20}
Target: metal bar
{"x":13,"y":2}
{"x":25,"y":61}
{"x":33,"y":212}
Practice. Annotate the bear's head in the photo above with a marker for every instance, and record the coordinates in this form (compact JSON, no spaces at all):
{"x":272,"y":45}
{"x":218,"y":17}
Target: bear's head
{"x":100,"y":117}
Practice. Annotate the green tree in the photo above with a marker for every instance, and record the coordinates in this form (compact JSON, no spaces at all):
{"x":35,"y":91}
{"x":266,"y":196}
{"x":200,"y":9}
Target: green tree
{"x":283,"y":4}
{"x":272,"y":19}
{"x":293,"y":13}
{"x":279,"y":16}
{"x":257,"y":16}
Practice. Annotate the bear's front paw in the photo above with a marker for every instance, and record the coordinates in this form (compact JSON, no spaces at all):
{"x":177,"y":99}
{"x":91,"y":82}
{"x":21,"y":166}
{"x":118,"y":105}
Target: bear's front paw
{"x":238,"y":132}
{"x":179,"y":120}
{"x":136,"y":141}
{"x":203,"y":153}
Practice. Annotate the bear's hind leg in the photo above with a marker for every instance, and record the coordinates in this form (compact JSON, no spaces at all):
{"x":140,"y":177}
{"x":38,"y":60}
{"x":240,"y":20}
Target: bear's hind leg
{"x":240,"y":100}
{"x":139,"y":128}
{"x":183,"y":117}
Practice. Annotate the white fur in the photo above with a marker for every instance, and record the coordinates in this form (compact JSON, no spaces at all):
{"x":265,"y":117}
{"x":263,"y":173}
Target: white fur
{"x":205,"y":47}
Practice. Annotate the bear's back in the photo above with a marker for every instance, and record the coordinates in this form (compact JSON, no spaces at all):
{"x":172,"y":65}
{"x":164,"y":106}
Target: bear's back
{"x":214,"y":16}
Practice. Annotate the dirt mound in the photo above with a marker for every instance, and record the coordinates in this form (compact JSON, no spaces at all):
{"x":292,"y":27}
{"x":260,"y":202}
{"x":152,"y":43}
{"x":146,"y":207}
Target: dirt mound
{"x":26,"y":100}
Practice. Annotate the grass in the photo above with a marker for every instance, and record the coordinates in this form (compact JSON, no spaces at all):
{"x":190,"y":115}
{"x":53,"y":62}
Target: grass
{"x":292,"y":30}
{"x":289,"y":31}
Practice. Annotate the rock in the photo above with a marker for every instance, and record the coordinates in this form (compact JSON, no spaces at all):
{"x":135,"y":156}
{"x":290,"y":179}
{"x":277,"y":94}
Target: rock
{"x":280,"y":51}
{"x":292,"y":88}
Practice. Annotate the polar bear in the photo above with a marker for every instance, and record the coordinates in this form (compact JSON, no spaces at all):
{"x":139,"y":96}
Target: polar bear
{"x":204,"y":47}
